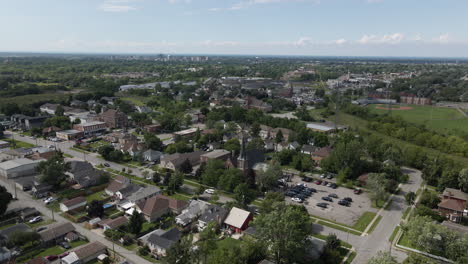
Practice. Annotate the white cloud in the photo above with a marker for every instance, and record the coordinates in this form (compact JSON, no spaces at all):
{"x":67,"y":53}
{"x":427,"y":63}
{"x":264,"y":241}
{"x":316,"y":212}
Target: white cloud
{"x":211,"y":43}
{"x":249,"y":3}
{"x":382,"y":39}
{"x":443,"y":39}
{"x":340,"y":41}
{"x":117,"y":6}
{"x":304,"y":41}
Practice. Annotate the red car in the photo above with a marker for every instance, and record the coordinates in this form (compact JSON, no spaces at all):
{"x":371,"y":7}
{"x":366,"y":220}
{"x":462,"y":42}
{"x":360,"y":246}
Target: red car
{"x":64,"y":254}
{"x":318,"y":182}
{"x":51,"y":257}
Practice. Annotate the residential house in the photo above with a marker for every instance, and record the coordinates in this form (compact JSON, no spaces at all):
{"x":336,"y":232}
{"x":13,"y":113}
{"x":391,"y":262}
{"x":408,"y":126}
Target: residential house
{"x":4,"y":144}
{"x":453,"y":204}
{"x":133,"y":148}
{"x":159,"y":205}
{"x":174,"y":161}
{"x":113,"y":223}
{"x":19,"y":153}
{"x":120,"y":137}
{"x":308,"y":149}
{"x":219,"y":154}
{"x":85,"y":253}
{"x":83,"y":173}
{"x":114,"y":118}
{"x":152,"y":155}
{"x":143,"y":194}
{"x":153,"y":128}
{"x":28,"y":213}
{"x":269,"y":144}
{"x":267,"y":132}
{"x":41,"y":153}
{"x":159,"y":241}
{"x":253,"y":103}
{"x":186,"y":133}
{"x":117,"y":184}
{"x":322,"y":153}
{"x":238,"y":220}
{"x":56,"y":232}
{"x":189,"y":214}
{"x":5,"y":254}
{"x":76,"y":203}
{"x":213,"y":213}
{"x":125,"y":192}
{"x":18,"y":168}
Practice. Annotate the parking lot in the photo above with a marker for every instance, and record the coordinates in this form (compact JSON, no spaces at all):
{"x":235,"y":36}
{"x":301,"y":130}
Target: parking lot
{"x":342,"y":214}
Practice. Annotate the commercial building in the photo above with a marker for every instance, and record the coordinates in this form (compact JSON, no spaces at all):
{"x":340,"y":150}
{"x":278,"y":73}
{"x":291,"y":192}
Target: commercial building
{"x":91,"y":128}
{"x":69,"y":134}
{"x":18,"y":168}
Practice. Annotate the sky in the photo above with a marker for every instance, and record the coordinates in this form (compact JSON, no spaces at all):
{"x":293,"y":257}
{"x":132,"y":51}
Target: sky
{"x":414,"y":28}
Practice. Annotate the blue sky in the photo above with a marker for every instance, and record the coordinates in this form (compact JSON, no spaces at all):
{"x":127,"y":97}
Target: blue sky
{"x":433,"y":28}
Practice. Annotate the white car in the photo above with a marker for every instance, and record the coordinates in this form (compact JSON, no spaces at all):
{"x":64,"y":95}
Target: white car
{"x":35,"y":219}
{"x":297,"y":200}
{"x":50,"y":200}
{"x":209,"y":191}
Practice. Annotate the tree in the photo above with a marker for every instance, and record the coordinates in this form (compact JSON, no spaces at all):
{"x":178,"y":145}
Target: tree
{"x":230,"y":179}
{"x":330,"y":253}
{"x":243,"y":195}
{"x":176,"y":181}
{"x":279,"y":137}
{"x":414,"y":258}
{"x":332,"y":242}
{"x":5,"y":199}
{"x":207,"y":241}
{"x":186,"y":166}
{"x":268,"y":179}
{"x":153,"y":142}
{"x":95,"y":209}
{"x":463,"y":179}
{"x":135,"y":223}
{"x":59,"y":111}
{"x":180,"y":252}
{"x":256,"y":143}
{"x":376,"y":183}
{"x":382,"y":258}
{"x":286,"y":230}
{"x":53,"y":170}
{"x":214,"y":168}
{"x":21,"y":238}
{"x":255,"y":129}
{"x":409,"y":197}
{"x":232,"y":145}
{"x":167,"y":178}
{"x":270,"y":201}
{"x":156,"y":177}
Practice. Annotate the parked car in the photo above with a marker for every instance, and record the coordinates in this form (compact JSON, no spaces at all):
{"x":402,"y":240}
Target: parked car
{"x":312,"y":190}
{"x":318,"y":182}
{"x":50,"y":200}
{"x":35,"y":219}
{"x":210,"y":191}
{"x":357,"y":191}
{"x":343,"y":202}
{"x":333,"y":195}
{"x":65,"y":245}
{"x":348,"y":199}
{"x":330,"y":176}
{"x":290,"y":194}
{"x":322,"y":176}
{"x":64,"y":254}
{"x":297,"y":200}
{"x":324,"y":183}
{"x":333,"y":186}
{"x":42,"y":228}
{"x":51,"y":257}
{"x":306,"y":179}
{"x":106,"y":165}
{"x":323,"y":205}
{"x":326,"y":198}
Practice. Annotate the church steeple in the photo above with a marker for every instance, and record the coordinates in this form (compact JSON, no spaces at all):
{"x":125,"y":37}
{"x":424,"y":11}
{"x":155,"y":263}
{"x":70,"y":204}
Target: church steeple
{"x":242,"y":162}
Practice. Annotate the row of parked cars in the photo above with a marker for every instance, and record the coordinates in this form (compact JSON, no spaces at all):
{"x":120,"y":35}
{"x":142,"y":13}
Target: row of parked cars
{"x":300,"y":192}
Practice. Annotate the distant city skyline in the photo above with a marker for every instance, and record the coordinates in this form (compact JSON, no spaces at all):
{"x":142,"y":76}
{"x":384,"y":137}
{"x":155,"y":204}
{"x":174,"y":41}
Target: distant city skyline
{"x":394,"y":28}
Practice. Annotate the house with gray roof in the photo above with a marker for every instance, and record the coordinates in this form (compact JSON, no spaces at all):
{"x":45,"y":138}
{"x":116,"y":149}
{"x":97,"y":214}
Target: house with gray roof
{"x":189,"y":214}
{"x":161,"y":240}
{"x":214,"y":213}
{"x":83,"y":173}
{"x":143,"y":194}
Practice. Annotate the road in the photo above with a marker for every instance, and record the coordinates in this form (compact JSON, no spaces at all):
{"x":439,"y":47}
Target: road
{"x":368,"y":246}
{"x":25,"y":200}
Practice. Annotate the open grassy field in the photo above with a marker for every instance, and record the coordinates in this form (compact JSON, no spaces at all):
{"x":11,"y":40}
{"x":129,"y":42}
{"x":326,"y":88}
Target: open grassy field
{"x":440,"y":119}
{"x":33,"y":98}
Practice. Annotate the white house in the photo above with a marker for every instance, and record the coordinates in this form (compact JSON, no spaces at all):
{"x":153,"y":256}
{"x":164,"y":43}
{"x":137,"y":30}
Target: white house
{"x":73,"y":204}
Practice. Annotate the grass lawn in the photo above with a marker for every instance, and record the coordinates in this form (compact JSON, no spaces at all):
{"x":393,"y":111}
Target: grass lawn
{"x":136,"y":100}
{"x":131,"y":247}
{"x":148,"y":226}
{"x":8,"y":225}
{"x":68,"y":155}
{"x":78,"y":243}
{"x":56,"y":250}
{"x":394,"y":233}
{"x":406,"y":212}
{"x":179,"y":196}
{"x":364,"y":221}
{"x":324,"y":237}
{"x":351,"y":258}
{"x":437,"y":118}
{"x":228,"y":242}
{"x":339,"y":227}
{"x":18,"y":144}
{"x":405,"y":242}
{"x":374,"y":225}
{"x":95,"y":196}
